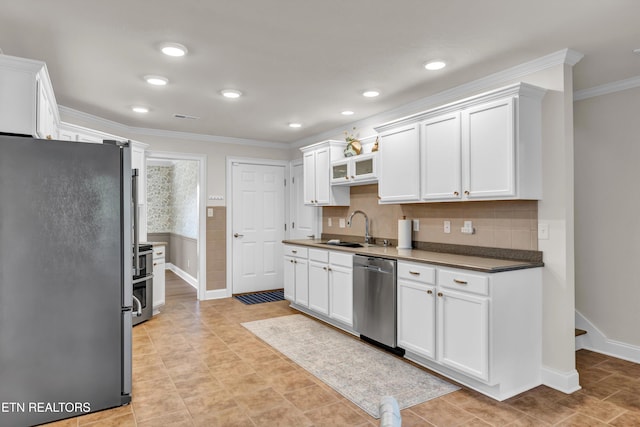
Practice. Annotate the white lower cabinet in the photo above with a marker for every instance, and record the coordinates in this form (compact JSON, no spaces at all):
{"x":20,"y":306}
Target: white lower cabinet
{"x":480,"y":329}
{"x":158,"y":276}
{"x":319,"y":281}
{"x":296,"y":275}
{"x":463,"y":333}
{"x":328,"y":290}
{"x":341,"y":287}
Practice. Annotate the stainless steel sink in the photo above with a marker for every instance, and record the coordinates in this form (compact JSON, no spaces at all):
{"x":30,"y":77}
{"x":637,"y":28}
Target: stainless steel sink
{"x":346,"y":244}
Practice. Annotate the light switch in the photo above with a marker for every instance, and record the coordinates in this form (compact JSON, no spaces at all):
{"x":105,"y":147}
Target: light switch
{"x":343,"y":223}
{"x":416,"y":225}
{"x":210,"y":212}
{"x":447,"y":227}
{"x":329,"y":222}
{"x":543,"y":231}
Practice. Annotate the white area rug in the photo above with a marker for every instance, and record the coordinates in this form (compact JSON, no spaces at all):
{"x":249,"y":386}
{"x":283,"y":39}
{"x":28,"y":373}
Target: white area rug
{"x":357,"y":371}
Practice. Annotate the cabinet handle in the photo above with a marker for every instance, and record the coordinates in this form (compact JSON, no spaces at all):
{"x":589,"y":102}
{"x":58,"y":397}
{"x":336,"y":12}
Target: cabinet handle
{"x":325,"y":268}
{"x":440,"y":294}
{"x":353,"y":177}
{"x":460,"y":282}
{"x":295,"y":262}
{"x":311,"y":236}
{"x":159,"y":253}
{"x":291,"y":261}
{"x":155,"y":263}
{"x":415,"y":273}
{"x":236,"y":235}
{"x":466,"y":193}
{"x":455,"y":193}
{"x":430,"y":292}
{"x":294,"y":252}
{"x":346,"y":177}
{"x":329,"y":269}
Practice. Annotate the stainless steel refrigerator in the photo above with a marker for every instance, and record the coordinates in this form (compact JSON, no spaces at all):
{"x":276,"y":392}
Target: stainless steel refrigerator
{"x":65,"y":278}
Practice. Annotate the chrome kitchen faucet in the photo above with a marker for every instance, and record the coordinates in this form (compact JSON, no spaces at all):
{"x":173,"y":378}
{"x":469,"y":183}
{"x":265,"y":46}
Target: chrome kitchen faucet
{"x":367,"y":237}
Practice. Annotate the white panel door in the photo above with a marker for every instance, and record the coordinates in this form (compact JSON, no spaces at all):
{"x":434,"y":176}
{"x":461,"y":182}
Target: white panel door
{"x":258,"y":227}
{"x":319,"y":287}
{"x":399,"y":156}
{"x":341,"y":294}
{"x":303,"y":217}
{"x":440,"y":150}
{"x":417,"y":318}
{"x":463,"y":333}
{"x":489,"y":150}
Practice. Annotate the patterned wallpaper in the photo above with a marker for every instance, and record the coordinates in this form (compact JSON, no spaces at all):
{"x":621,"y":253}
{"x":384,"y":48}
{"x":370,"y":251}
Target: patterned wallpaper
{"x":172,"y":199}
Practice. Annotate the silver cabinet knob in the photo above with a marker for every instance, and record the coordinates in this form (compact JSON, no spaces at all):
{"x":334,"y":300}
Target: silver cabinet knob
{"x":236,"y":235}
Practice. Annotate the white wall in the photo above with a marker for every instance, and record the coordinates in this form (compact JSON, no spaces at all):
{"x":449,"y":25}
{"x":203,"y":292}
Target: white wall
{"x":607,"y":133}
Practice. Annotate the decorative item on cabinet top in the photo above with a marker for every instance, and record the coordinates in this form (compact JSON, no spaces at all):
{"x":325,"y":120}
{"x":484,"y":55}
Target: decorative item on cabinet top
{"x":354,"y":147}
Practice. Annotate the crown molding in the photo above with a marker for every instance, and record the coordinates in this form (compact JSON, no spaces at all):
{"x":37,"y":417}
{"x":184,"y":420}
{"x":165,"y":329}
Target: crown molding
{"x":565,"y":56}
{"x":113,"y":126}
{"x":607,"y":88}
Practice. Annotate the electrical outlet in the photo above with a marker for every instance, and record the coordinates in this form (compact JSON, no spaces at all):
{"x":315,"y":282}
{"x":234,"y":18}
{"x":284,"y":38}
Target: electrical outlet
{"x":188,"y":263}
{"x":416,"y":225}
{"x":343,"y":222}
{"x":468,"y":228}
{"x":329,"y":222}
{"x":210,"y":212}
{"x":447,"y":227}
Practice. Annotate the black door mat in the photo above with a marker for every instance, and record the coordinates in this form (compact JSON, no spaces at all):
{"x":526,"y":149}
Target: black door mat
{"x":260,"y":297}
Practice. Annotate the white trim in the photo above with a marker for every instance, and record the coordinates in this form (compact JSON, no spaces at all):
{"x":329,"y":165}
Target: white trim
{"x":119,"y":127}
{"x":565,"y":56}
{"x":217,"y":294}
{"x":595,"y":340}
{"x":566,"y":382}
{"x":607,"y":88}
{"x":201,"y":282}
{"x":183,"y":275}
{"x":229,"y":191}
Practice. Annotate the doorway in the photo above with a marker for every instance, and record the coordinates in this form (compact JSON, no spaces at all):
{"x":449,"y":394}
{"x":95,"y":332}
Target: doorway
{"x":175,"y":213}
{"x":256,"y":229}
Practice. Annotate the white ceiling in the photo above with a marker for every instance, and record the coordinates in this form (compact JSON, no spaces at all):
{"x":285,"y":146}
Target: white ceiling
{"x":300,"y":60}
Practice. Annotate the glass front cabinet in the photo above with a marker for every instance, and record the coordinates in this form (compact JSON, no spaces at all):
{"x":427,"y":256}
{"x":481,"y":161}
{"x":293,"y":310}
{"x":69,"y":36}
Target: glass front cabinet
{"x":360,"y":169}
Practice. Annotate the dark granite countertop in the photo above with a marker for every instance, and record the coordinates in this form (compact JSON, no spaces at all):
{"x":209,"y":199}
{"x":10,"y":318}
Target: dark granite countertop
{"x":468,"y":262}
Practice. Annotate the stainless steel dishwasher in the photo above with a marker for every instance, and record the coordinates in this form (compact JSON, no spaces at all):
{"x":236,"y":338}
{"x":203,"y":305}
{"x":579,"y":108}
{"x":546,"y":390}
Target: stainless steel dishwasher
{"x":374,"y":300}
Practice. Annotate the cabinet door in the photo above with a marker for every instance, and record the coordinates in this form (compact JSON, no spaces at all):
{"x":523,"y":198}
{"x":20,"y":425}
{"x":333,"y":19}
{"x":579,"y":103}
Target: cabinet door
{"x":319,"y":287}
{"x":322,"y":176}
{"x":302,"y":281}
{"x":340,"y":172}
{"x":417,"y":318}
{"x":463,"y":333}
{"x":441,"y":158}
{"x":399,"y":156}
{"x":289,"y":279}
{"x":341,"y":294}
{"x":365,"y":167}
{"x":489,"y":150}
{"x":309,"y":170}
{"x":158,"y":282}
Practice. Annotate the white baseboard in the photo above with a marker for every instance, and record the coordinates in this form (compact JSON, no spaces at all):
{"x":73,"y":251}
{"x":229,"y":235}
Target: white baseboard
{"x":595,"y":340}
{"x":182,"y":274}
{"x":566,"y":382}
{"x":217,"y":294}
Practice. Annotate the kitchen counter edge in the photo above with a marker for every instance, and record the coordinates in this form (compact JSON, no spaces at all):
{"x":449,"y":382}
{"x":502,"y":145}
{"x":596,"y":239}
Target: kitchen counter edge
{"x":466,"y":262}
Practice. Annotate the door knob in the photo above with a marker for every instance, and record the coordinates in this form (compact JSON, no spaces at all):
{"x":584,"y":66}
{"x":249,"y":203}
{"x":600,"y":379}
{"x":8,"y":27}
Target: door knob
{"x":238,"y":235}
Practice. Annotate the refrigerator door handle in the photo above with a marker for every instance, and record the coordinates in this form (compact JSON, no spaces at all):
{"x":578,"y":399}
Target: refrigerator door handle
{"x":136,"y":249}
{"x":127,"y":357}
{"x":139,"y":304}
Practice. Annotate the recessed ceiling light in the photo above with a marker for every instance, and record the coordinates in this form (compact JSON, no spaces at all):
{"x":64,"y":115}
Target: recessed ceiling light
{"x":347,"y":113}
{"x":156,"y":80}
{"x":139,"y":109}
{"x":174,"y":49}
{"x":231,"y":93}
{"x":370,"y":93}
{"x":435,"y":65}
{"x":295,"y":125}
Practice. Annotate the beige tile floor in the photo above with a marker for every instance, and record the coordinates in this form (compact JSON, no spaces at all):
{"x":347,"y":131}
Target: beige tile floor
{"x":195,"y":365}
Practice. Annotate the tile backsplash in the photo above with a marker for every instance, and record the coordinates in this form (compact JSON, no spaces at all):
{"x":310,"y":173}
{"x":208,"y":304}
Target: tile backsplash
{"x":510,"y":224}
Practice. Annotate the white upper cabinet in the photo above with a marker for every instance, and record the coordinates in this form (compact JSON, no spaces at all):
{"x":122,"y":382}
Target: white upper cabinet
{"x":355,"y":170}
{"x":440,"y":157}
{"x":27,"y":103}
{"x":316,"y":163}
{"x":399,"y":175}
{"x":487,"y":147}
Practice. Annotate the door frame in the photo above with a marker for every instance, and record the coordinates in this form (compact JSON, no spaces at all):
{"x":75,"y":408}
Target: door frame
{"x":229,"y":191}
{"x":202,"y":213}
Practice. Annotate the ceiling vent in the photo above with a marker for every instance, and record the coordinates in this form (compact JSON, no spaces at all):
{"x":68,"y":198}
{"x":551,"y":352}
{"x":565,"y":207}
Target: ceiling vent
{"x":185,"y":116}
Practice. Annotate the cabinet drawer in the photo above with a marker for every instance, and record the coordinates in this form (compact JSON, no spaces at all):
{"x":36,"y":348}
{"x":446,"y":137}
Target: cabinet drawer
{"x":158,"y":252}
{"x":318,"y":255}
{"x":453,"y":279}
{"x":418,"y":272}
{"x":340,"y":258}
{"x":295,"y":251}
